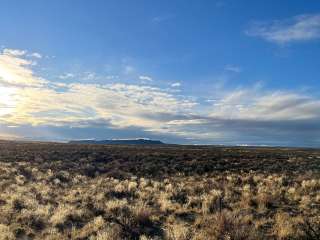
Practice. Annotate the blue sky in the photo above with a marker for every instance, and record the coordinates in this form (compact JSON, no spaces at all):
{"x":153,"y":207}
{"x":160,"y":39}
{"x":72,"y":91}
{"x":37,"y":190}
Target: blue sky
{"x":198,"y":72}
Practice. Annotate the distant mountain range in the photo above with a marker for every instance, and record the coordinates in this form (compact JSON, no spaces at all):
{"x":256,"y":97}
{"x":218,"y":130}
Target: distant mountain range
{"x":119,"y":142}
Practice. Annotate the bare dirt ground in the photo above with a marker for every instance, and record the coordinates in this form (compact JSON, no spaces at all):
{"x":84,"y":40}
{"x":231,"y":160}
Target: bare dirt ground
{"x":64,"y":191}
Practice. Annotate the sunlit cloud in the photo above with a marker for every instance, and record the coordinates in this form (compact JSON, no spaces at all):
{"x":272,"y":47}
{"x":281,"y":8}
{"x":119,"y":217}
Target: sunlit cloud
{"x":253,"y":104}
{"x":7,"y":103}
{"x":235,"y":115}
{"x":40,"y":102}
{"x":16,"y":70}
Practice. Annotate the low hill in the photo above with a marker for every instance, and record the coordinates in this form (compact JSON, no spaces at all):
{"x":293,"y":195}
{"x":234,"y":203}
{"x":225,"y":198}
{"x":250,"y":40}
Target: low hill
{"x":120,"y":142}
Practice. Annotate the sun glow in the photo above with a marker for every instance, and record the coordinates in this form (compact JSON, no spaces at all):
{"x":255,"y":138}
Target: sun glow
{"x":7,"y":101}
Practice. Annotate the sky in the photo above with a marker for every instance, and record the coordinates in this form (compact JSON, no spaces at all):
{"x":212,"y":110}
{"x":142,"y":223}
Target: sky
{"x":189,"y":72}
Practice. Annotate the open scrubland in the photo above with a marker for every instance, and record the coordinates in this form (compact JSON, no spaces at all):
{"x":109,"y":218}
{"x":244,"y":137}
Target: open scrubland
{"x":68,"y":191}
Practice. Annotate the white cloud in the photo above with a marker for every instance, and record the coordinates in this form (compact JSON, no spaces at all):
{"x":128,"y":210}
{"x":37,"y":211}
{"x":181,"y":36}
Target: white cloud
{"x":176,"y":84}
{"x":14,"y":52}
{"x":21,"y":53}
{"x":145,"y":78}
{"x":233,"y":68}
{"x":16,"y":70}
{"x":67,"y":76}
{"x":298,"y":28}
{"x":36,"y":55}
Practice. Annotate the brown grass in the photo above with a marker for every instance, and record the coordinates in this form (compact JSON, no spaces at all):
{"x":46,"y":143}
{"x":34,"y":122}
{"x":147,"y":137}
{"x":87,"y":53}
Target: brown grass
{"x":57,"y":191}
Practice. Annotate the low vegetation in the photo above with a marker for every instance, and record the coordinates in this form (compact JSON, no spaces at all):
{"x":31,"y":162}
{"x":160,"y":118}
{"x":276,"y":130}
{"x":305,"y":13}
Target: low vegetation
{"x":65,"y":191}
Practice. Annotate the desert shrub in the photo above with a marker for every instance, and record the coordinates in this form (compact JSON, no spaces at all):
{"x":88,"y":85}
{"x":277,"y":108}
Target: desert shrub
{"x":120,"y":194}
{"x":225,"y":225}
{"x":286,"y":226}
{"x":132,"y":186}
{"x":212,"y":202}
{"x":5,"y":233}
{"x":178,"y":232}
{"x":113,"y":232}
{"x":310,"y":185}
{"x":265,"y":199}
{"x":67,"y":216}
{"x":18,"y":204}
{"x":194,"y":202}
{"x":62,"y":176}
{"x":180,"y":196}
{"x":310,"y":228}
{"x":32,"y":220}
{"x":27,"y":173}
{"x":136,"y":221}
{"x":91,"y":228}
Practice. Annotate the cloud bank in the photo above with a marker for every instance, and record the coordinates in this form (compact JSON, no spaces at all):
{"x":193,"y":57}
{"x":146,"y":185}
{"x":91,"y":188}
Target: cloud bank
{"x":32,"y":105}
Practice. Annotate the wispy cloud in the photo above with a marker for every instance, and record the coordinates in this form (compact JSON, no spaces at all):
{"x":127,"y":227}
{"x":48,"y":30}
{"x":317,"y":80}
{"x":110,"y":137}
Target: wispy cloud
{"x":67,"y":76}
{"x":14,"y":52}
{"x":20,"y":52}
{"x":253,"y":104}
{"x":145,"y":78}
{"x":162,"y":18}
{"x":176,"y":84}
{"x":35,"y":55}
{"x":233,"y":68}
{"x":296,"y":29}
